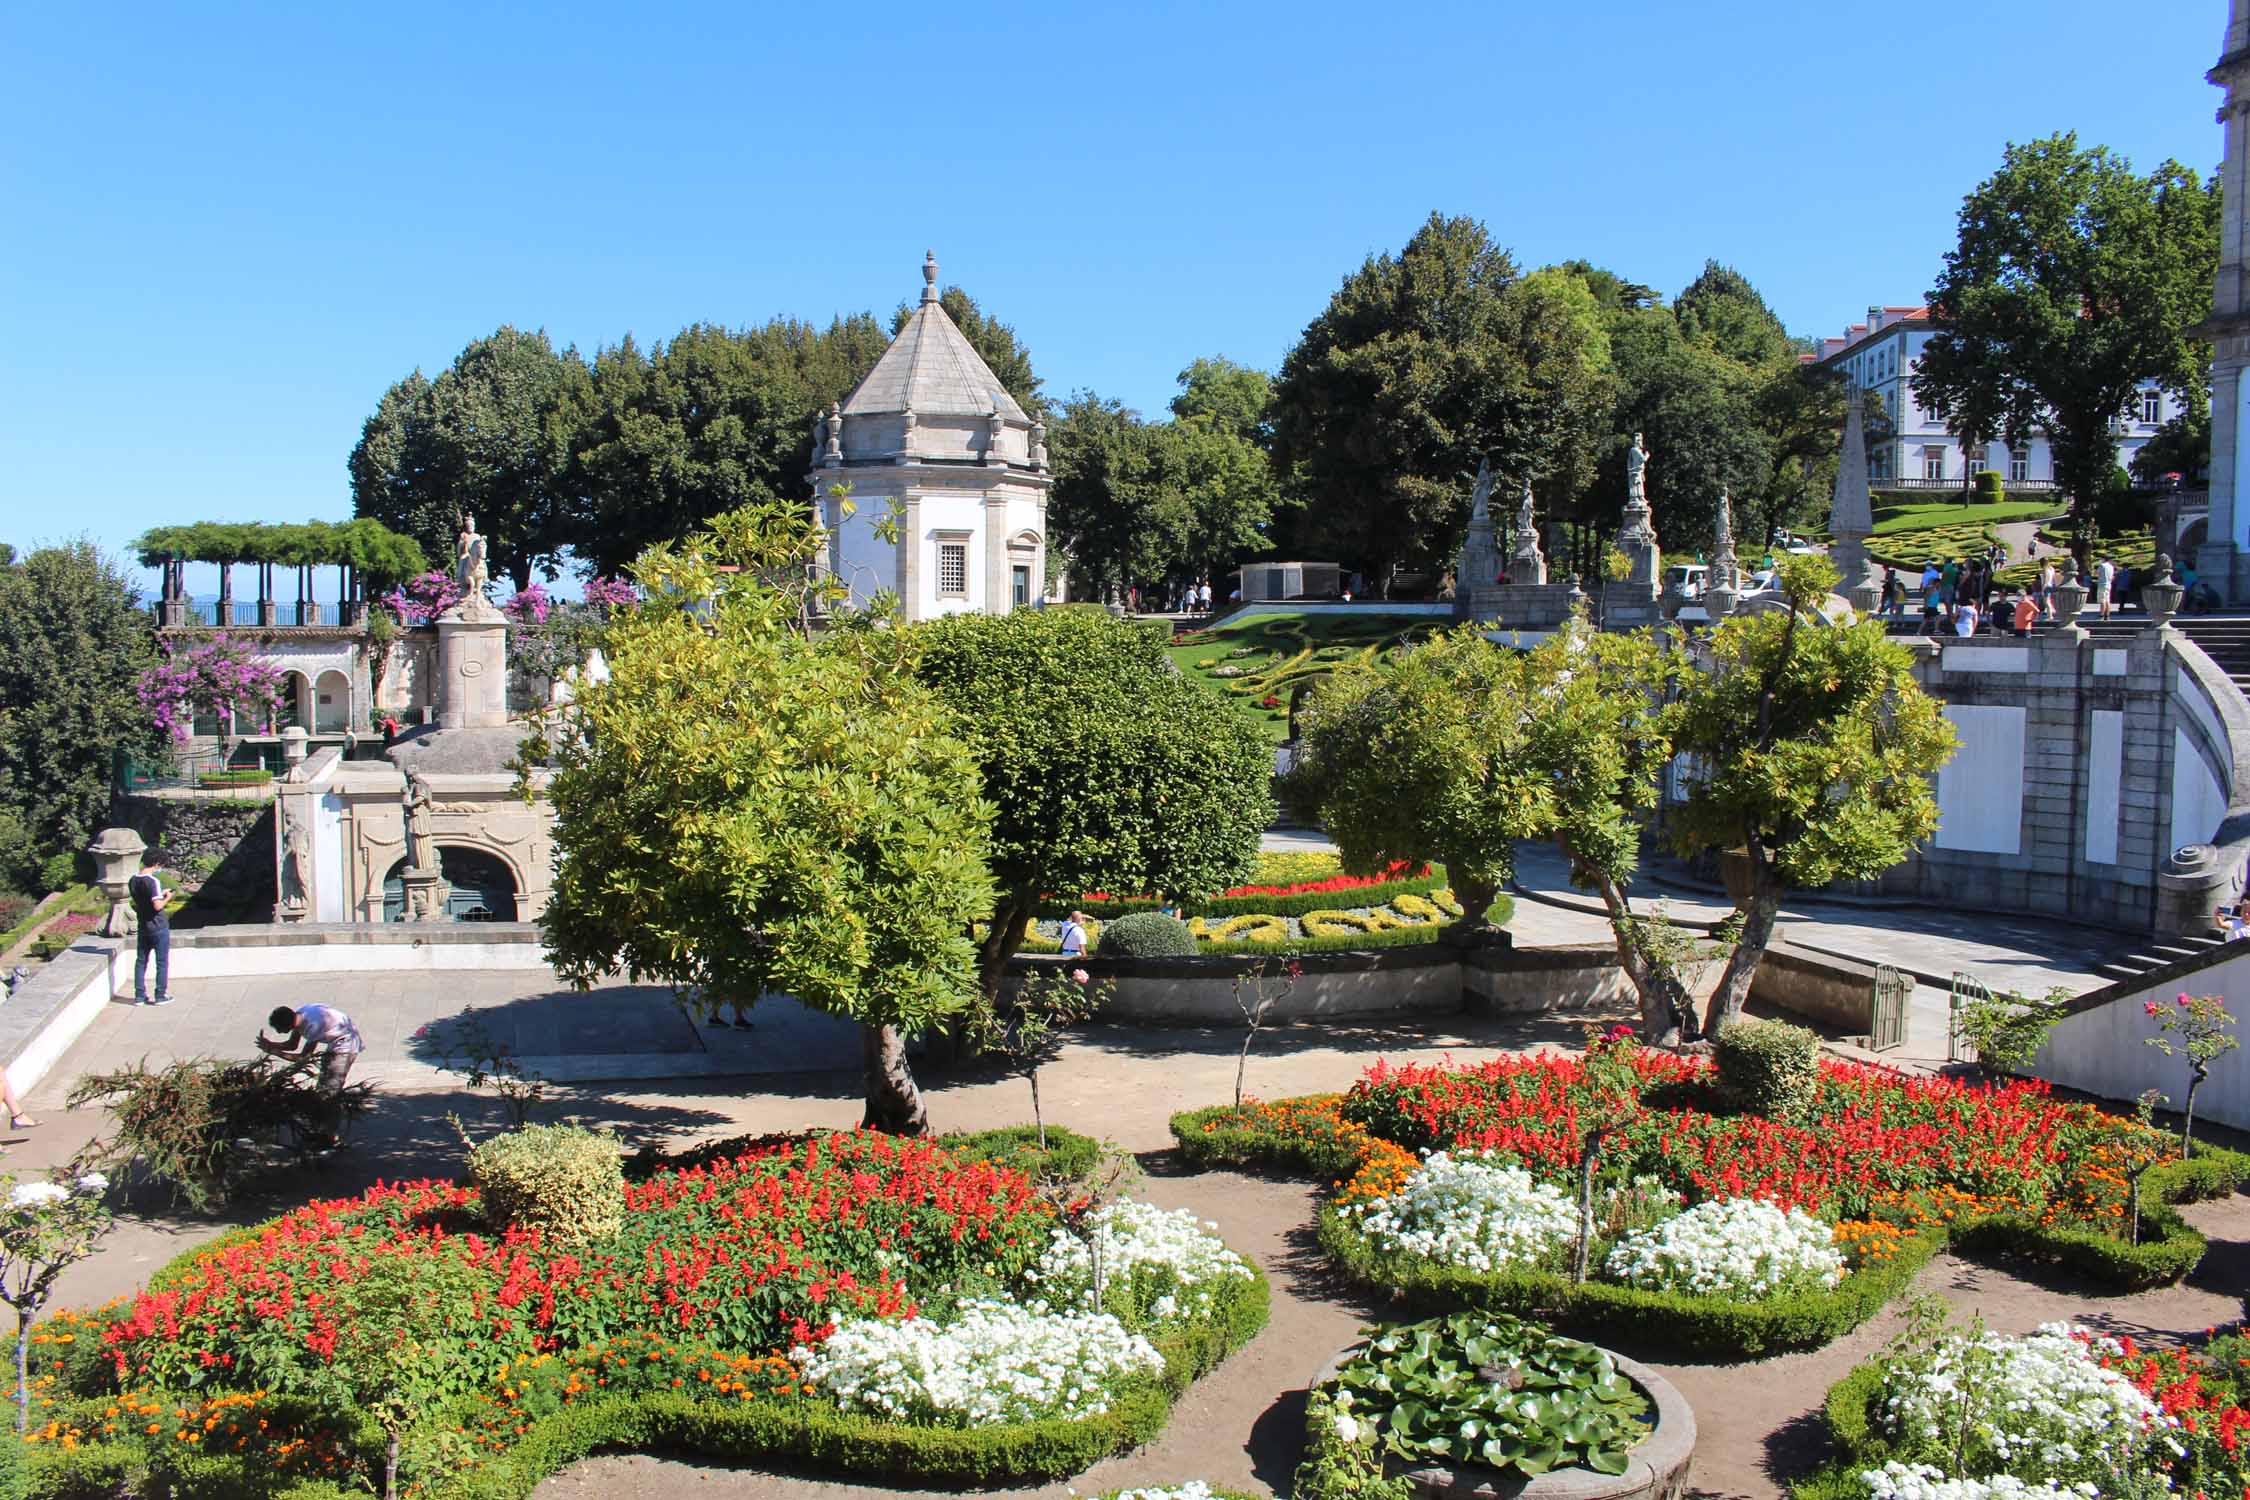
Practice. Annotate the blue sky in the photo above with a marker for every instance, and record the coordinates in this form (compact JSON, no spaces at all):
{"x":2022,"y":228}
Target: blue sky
{"x":223,"y":233}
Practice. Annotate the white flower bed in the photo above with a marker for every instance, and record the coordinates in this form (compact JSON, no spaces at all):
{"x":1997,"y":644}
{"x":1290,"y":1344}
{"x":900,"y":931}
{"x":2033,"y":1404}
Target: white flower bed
{"x":1735,"y":1247}
{"x":1472,"y":1212}
{"x":993,"y":1363}
{"x":2042,"y":1402}
{"x":1897,"y":1481}
{"x":1135,"y":1235}
{"x":1194,"y":1489}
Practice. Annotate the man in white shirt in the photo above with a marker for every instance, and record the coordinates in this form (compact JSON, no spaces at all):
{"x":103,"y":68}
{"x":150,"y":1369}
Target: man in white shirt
{"x":2105,"y":573}
{"x":1074,"y":935}
{"x":1965,"y":621}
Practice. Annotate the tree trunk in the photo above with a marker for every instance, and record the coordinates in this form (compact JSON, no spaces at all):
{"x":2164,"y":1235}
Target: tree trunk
{"x":894,"y":1104}
{"x":1011,"y":919}
{"x":1038,"y":1120}
{"x":390,"y":1467}
{"x":2187,"y":1111}
{"x":23,"y":1372}
{"x":1758,"y":913}
{"x":1667,"y":1009}
{"x":1585,"y":1249}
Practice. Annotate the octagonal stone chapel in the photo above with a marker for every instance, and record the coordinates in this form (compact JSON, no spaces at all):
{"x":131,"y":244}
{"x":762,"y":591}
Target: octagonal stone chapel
{"x":932,"y":429}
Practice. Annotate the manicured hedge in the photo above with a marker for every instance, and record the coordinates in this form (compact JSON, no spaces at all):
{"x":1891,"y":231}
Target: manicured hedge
{"x":1231,"y":1144}
{"x":1672,"y":1322}
{"x":804,"y":1430}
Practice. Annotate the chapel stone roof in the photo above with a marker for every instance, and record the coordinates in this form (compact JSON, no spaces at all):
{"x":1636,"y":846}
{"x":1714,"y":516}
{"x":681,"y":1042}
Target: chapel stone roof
{"x":931,"y":369}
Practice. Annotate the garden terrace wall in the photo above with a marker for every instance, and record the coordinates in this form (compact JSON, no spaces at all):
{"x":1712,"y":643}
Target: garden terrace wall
{"x":1434,"y":979}
{"x":2100,"y":1045}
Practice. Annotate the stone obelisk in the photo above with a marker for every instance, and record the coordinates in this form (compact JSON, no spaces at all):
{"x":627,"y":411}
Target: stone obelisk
{"x":1851,"y":516}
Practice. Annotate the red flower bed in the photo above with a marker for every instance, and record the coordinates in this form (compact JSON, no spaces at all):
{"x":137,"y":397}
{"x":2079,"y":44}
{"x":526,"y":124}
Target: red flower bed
{"x":1872,"y":1132}
{"x":750,"y":1254}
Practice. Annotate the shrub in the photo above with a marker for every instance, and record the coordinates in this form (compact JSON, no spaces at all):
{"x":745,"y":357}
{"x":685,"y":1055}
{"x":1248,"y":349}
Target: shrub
{"x":560,"y":1179}
{"x":1768,"y":1068}
{"x":14,"y":907}
{"x":1067,"y":1157}
{"x":1989,"y":489}
{"x":59,"y":872}
{"x":1147,"y":934}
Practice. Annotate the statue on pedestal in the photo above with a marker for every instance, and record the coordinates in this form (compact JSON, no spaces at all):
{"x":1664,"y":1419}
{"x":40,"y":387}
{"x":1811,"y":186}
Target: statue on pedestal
{"x":1529,"y":565}
{"x":468,"y":560}
{"x":1636,"y":474}
{"x":832,"y":452}
{"x":1479,"y":565}
{"x":421,"y":846}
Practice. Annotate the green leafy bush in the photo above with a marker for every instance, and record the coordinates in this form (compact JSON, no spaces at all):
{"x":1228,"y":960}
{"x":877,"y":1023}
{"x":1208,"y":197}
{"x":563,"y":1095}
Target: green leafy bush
{"x":1068,"y":1156}
{"x":185,"y":1124}
{"x":1990,"y":491}
{"x":1768,"y":1068}
{"x":560,"y":1179}
{"x":2007,"y":1030}
{"x":1147,"y":934}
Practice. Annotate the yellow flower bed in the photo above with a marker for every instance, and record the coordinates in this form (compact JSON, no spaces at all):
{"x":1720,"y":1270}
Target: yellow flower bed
{"x":1255,"y":927}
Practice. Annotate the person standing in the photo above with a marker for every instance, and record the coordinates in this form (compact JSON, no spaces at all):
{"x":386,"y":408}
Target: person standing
{"x":2026,"y":613}
{"x":1932,"y":603}
{"x":2105,"y":573}
{"x":147,"y":893}
{"x":1074,"y":935}
{"x":1965,"y":619}
{"x":1894,"y":592}
{"x":2047,"y":588}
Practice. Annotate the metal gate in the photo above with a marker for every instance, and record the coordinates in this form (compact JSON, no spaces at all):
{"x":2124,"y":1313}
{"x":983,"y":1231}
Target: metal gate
{"x":1967,"y":989}
{"x":1892,"y":990}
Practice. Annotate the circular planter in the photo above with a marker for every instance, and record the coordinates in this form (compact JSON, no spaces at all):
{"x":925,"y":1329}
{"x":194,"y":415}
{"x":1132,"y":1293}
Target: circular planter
{"x":1655,"y":1469}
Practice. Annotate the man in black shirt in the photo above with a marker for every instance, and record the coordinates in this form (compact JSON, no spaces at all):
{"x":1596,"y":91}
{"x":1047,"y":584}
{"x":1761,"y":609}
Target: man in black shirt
{"x":149,"y":896}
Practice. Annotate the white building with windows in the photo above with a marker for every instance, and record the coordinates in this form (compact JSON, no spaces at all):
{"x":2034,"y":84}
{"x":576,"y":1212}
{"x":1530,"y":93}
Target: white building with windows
{"x":1880,"y":355}
{"x":932,"y":435}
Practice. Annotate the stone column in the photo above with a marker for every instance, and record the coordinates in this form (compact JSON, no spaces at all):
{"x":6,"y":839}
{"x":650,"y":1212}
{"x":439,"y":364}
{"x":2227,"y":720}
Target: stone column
{"x":996,"y":578}
{"x":2221,"y":560}
{"x":910,"y":558}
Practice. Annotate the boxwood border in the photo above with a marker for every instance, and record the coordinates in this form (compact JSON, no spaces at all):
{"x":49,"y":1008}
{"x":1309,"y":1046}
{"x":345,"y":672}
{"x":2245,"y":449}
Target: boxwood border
{"x":1722,"y":1327}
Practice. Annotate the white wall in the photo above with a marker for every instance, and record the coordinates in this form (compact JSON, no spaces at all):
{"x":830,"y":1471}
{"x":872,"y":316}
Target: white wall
{"x":2199,"y":802}
{"x":1980,"y":790}
{"x":951,"y":513}
{"x":2105,"y":1051}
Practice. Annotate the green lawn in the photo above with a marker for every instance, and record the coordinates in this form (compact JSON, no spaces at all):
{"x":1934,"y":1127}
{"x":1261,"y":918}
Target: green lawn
{"x":1267,"y":655}
{"x":1922,"y":515}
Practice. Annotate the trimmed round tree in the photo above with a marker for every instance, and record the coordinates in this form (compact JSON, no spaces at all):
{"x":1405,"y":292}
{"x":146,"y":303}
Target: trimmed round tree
{"x":1106,"y":770}
{"x":747,"y":807}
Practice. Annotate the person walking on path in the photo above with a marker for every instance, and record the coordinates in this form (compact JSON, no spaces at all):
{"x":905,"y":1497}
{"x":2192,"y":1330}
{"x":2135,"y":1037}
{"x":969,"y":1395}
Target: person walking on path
{"x":146,"y":890}
{"x":1074,"y":935}
{"x":2105,"y":573}
{"x":1932,"y":603}
{"x":311,"y":1027}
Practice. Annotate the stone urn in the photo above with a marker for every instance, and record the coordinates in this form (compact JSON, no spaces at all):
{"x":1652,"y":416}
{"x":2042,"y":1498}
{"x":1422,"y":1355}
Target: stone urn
{"x":2162,"y":598}
{"x":2070,"y":593}
{"x":117,"y":859}
{"x":1719,"y":601}
{"x":1655,"y":1469}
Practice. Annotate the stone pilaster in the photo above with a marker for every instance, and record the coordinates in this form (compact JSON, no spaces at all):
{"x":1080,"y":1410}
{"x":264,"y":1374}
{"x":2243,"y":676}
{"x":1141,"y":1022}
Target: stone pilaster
{"x":2221,"y":560}
{"x":996,"y":578}
{"x":472,"y":685}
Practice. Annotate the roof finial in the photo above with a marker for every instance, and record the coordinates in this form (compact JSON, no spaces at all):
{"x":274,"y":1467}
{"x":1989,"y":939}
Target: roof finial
{"x":929,"y":276}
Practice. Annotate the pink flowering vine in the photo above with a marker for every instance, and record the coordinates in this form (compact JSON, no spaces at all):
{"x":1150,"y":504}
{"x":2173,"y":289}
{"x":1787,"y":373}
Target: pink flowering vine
{"x":423,"y":598}
{"x":219,"y":677}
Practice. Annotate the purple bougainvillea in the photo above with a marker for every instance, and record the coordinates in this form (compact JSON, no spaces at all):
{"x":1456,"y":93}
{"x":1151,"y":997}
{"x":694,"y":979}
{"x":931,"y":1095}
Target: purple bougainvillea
{"x":610,"y":593}
{"x":219,"y":677}
{"x":423,"y":598}
{"x":528,"y":607}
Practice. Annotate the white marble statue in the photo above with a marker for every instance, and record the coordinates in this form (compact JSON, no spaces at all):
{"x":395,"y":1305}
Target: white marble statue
{"x":469,"y":568}
{"x":1636,"y":473}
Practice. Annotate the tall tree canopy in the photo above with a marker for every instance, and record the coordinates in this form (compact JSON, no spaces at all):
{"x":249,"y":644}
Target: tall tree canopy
{"x":73,"y":641}
{"x":493,"y":435}
{"x":1234,"y":399}
{"x":2074,"y":279}
{"x":1108,"y":770}
{"x":1423,"y":364}
{"x":748,"y":808}
{"x":1155,"y":503}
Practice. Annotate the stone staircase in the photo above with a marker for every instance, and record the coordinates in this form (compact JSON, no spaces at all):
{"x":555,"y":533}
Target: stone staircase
{"x":2225,"y":639}
{"x":2152,"y":953}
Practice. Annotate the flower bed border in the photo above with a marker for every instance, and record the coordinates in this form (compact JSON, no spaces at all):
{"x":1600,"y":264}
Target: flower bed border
{"x":804,"y":1429}
{"x":1721,"y":1326}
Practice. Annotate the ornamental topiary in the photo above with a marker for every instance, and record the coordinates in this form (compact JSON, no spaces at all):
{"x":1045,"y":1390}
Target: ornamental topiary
{"x":1768,"y":1068}
{"x":1989,"y":489}
{"x":560,"y":1179}
{"x":1147,"y":934}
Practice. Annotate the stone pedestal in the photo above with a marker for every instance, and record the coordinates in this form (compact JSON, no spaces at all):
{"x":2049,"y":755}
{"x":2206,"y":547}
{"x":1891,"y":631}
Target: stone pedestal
{"x":426,"y":895}
{"x":294,"y":744}
{"x":1630,"y":604}
{"x":1855,"y":578}
{"x":117,"y":859}
{"x":472,"y":679}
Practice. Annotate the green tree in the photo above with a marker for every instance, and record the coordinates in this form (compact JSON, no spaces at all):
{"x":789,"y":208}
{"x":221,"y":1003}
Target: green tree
{"x":1813,"y":751}
{"x":1423,"y":364}
{"x":992,"y":339}
{"x":1697,"y":410}
{"x":746,"y":808}
{"x":1107,"y":769}
{"x":1233,"y":398}
{"x":1722,"y":309}
{"x":493,"y":435}
{"x":1460,"y":749}
{"x":2074,"y":280}
{"x":74,"y":639}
